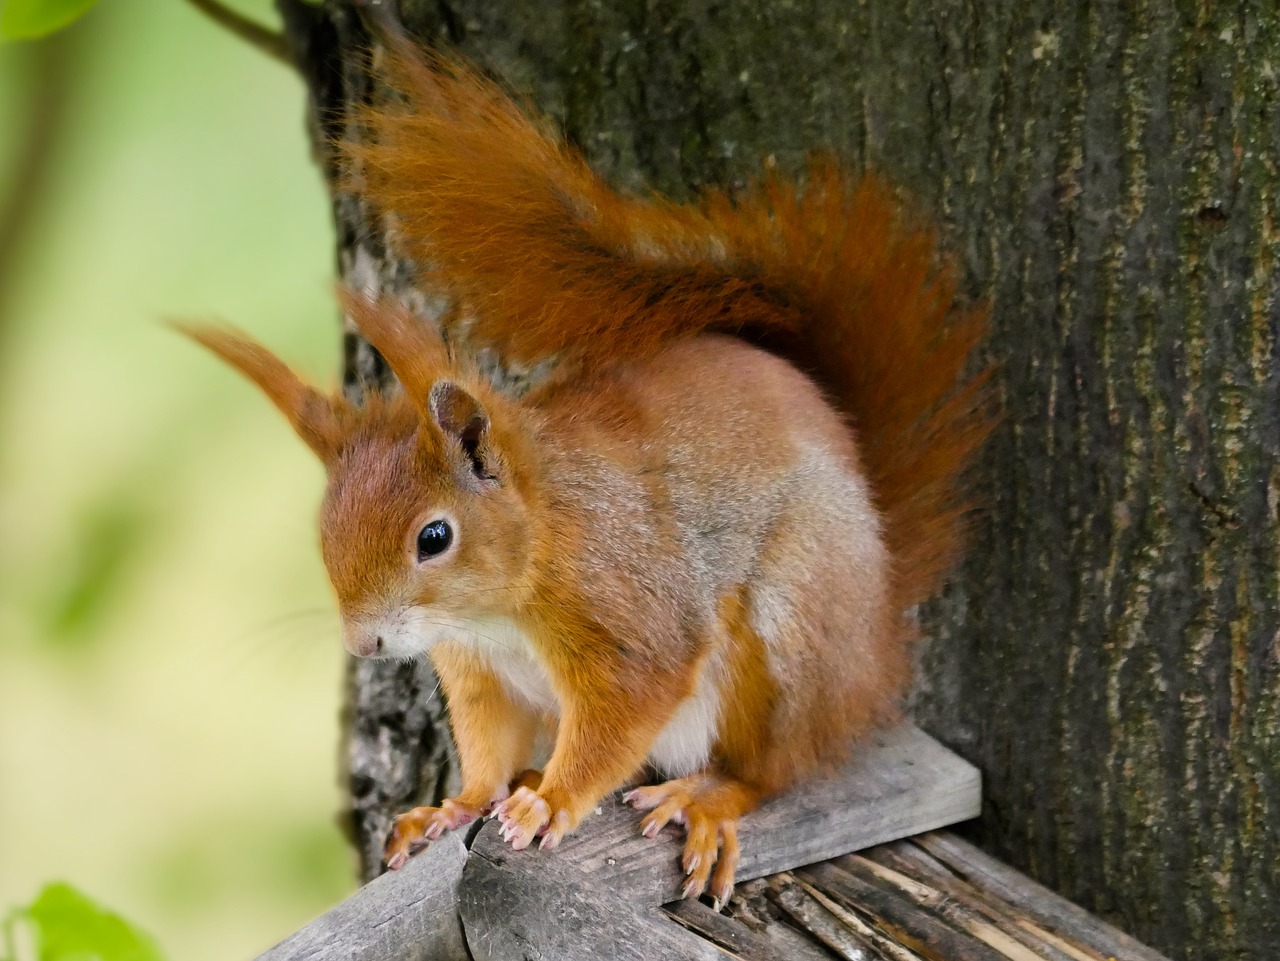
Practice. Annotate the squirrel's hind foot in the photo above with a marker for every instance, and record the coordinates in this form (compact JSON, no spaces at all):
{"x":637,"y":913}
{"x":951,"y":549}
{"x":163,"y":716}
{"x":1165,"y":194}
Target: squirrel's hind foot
{"x":708,"y":806}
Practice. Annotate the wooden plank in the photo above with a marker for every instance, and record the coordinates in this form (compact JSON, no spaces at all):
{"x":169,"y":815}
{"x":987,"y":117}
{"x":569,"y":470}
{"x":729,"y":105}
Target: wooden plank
{"x":921,"y":866}
{"x":901,"y":782}
{"x":605,"y":882}
{"x":513,"y":912}
{"x":754,"y":906}
{"x":957,"y":913}
{"x":794,"y":945}
{"x":831,"y":925}
{"x":406,"y":915}
{"x":1051,"y":910}
{"x":732,"y":937}
{"x":927,"y":935}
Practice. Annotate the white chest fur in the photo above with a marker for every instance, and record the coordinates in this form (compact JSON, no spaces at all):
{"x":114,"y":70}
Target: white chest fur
{"x":682,"y":747}
{"x":510,"y":654}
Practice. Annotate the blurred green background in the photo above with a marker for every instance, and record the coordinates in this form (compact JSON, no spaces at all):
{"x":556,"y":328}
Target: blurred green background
{"x":170,"y":666}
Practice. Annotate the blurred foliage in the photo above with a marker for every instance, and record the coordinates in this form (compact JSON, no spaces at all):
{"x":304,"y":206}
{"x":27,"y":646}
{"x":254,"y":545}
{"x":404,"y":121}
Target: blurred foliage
{"x":23,"y":19}
{"x":65,"y":925}
{"x":110,"y":535}
{"x":170,"y":665}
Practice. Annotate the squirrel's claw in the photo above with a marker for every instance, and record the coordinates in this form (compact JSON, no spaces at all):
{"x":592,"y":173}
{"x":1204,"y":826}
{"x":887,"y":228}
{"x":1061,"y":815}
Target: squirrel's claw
{"x":555,"y":831}
{"x":524,"y":816}
{"x":414,"y":830}
{"x":708,"y":814}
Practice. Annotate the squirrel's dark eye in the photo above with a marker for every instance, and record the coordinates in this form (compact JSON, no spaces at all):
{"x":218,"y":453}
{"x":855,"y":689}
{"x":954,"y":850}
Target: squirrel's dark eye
{"x":434,"y":539}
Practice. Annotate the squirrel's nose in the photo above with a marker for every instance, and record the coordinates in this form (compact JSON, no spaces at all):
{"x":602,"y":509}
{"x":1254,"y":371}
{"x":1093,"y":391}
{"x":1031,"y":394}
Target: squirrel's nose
{"x":362,"y":643}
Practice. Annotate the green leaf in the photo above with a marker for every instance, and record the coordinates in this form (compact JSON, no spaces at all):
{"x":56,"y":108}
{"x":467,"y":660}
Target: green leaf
{"x":26,"y":19}
{"x":70,"y":927}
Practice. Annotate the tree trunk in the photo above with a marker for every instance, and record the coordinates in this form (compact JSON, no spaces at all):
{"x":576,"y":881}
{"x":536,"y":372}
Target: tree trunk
{"x":1106,"y":174}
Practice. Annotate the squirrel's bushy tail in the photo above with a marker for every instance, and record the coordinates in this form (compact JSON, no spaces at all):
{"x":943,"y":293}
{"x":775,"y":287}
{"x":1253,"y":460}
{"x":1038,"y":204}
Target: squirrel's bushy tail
{"x":544,"y":258}
{"x":877,"y":328}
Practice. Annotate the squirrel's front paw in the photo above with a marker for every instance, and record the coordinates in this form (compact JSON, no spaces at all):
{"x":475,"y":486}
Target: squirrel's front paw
{"x":413,"y":830}
{"x":526,"y":815}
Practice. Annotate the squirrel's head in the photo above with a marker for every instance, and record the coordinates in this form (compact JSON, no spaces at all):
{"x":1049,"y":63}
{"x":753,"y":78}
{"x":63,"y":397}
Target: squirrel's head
{"x":425,"y":521}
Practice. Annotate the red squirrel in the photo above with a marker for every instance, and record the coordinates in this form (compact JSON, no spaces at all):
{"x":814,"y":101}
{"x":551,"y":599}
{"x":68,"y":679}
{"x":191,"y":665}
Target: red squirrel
{"x":694,"y":544}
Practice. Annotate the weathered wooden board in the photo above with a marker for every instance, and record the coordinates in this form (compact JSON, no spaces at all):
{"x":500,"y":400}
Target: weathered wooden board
{"x":409,"y":915}
{"x":1002,"y":882}
{"x":927,"y":935}
{"x":845,"y":934}
{"x":734,"y":938}
{"x":911,"y":868}
{"x":547,"y":909}
{"x":900,"y":783}
{"x":900,"y":902}
{"x":597,"y":896}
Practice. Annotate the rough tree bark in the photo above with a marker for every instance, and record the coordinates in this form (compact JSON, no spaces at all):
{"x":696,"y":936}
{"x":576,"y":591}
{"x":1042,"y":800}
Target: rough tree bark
{"x":1106,"y":173}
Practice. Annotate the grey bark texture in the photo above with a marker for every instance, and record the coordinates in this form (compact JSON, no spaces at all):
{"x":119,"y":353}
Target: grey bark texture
{"x":1106,"y":174}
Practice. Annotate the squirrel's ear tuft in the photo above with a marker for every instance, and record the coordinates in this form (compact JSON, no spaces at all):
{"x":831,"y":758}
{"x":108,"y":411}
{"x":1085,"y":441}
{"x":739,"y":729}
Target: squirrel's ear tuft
{"x":309,"y":411}
{"x":464,"y":422}
{"x":412,"y":349}
{"x":419,"y":358}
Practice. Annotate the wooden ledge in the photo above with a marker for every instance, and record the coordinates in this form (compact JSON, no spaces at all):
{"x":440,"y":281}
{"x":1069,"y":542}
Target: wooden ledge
{"x":598,"y":895}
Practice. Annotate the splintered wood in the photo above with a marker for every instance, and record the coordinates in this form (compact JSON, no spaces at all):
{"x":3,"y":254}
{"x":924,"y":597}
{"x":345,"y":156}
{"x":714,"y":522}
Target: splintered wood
{"x":927,"y":898}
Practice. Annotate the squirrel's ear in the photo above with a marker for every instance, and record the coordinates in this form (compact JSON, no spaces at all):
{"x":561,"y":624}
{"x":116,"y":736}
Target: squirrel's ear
{"x":414,"y":351}
{"x":417,"y":355}
{"x":463,"y":421}
{"x":309,"y":411}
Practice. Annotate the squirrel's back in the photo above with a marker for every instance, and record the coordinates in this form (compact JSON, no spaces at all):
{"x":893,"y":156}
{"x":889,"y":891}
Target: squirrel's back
{"x":712,"y":434}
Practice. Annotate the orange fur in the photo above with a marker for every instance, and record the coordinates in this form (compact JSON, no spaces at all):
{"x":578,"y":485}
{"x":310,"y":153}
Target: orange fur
{"x":313,"y":417}
{"x":675,"y":549}
{"x":495,"y":737}
{"x":547,"y":258}
{"x":494,"y":733}
{"x":747,"y":711}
